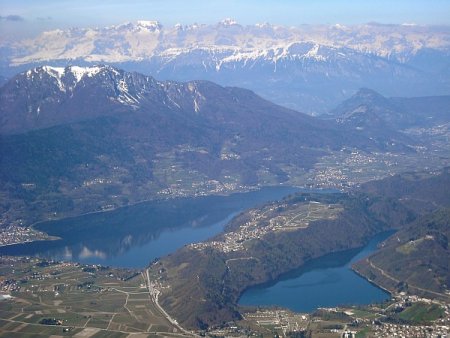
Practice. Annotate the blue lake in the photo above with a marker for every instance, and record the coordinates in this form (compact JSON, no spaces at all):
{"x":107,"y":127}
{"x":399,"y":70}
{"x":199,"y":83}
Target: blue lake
{"x":133,"y":236}
{"x":324,"y":282}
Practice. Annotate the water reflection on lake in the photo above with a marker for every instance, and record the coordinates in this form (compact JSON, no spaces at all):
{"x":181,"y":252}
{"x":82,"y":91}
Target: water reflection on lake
{"x":135,"y":235}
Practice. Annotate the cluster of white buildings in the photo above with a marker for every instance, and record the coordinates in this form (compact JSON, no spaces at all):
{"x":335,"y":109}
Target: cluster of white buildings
{"x":14,"y":234}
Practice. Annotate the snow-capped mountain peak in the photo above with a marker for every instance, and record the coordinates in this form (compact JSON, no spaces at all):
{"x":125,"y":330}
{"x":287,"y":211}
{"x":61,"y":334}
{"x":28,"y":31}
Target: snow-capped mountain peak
{"x":152,"y":25}
{"x":263,"y":25}
{"x":228,"y":22}
{"x":394,"y":59}
{"x":106,"y":83}
{"x":68,"y":77}
{"x":80,"y":72}
{"x":56,"y":72}
{"x":46,"y":95}
{"x":77,"y":71}
{"x":147,"y":39}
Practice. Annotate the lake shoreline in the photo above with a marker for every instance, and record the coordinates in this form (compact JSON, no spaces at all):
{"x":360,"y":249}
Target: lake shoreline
{"x":390,"y":292}
{"x":305,"y":268}
{"x":130,"y":227}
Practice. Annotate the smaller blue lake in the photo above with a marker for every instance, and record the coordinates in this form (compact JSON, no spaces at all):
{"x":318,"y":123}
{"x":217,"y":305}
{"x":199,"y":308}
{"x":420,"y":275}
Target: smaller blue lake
{"x":324,"y":282}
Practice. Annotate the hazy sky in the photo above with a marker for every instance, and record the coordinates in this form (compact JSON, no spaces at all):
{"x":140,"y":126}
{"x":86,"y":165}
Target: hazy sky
{"x":24,"y":16}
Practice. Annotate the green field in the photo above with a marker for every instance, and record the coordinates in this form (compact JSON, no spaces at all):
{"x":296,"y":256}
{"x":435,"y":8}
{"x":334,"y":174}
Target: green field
{"x":421,"y":313}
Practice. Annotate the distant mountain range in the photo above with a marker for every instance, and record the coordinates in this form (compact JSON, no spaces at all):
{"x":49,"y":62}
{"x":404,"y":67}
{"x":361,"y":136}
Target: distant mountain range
{"x":309,"y":68}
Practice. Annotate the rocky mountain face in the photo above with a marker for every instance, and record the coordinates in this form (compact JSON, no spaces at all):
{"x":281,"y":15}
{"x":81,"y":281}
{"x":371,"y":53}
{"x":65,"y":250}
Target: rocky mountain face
{"x":309,"y":68}
{"x":47,"y":96}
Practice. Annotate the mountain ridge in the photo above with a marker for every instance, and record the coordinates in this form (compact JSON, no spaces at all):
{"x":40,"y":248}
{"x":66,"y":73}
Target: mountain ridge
{"x":310,"y":68}
{"x":48,"y":87}
{"x":229,"y":33}
{"x":85,"y":139}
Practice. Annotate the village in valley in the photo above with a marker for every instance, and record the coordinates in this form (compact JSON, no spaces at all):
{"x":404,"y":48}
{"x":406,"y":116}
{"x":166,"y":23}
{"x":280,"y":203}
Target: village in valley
{"x":272,"y":218}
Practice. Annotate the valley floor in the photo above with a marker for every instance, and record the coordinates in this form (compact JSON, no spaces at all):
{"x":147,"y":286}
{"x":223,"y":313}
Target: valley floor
{"x":42,"y":299}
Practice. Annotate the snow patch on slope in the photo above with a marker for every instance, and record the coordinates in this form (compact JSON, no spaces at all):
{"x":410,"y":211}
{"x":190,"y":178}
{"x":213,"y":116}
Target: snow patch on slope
{"x":77,"y":72}
{"x":228,"y":22}
{"x":80,"y":72}
{"x":60,"y":74}
{"x":57,"y":73}
{"x":151,"y":25}
{"x":276,"y":54}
